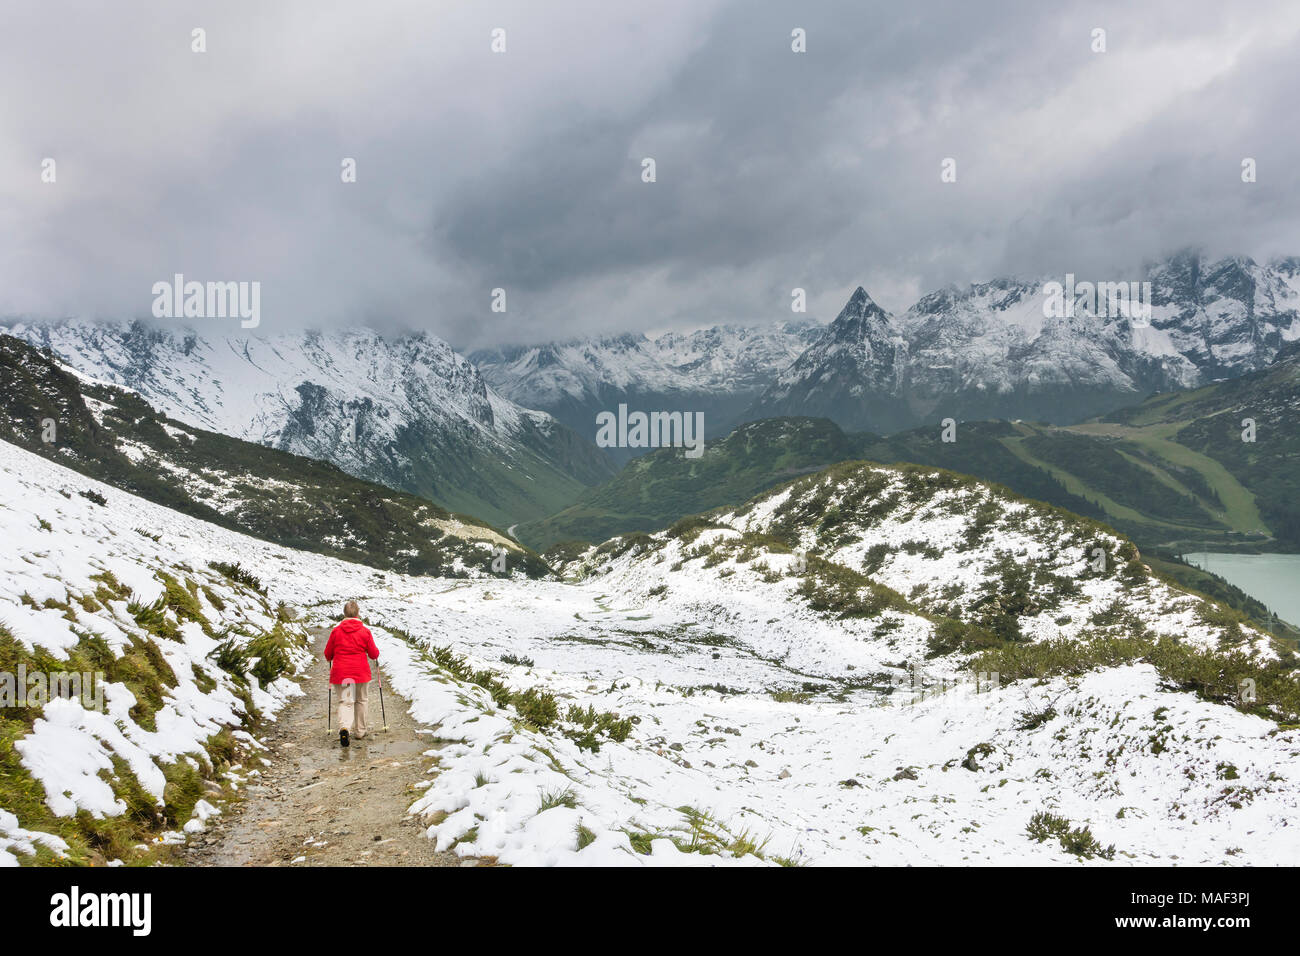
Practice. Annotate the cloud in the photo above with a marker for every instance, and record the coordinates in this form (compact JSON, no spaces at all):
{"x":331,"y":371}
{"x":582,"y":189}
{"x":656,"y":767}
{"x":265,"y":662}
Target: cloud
{"x":522,"y":170}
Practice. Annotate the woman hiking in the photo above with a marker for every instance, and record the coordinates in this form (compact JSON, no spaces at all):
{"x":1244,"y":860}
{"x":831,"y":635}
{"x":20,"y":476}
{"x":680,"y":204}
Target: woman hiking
{"x":349,"y":645}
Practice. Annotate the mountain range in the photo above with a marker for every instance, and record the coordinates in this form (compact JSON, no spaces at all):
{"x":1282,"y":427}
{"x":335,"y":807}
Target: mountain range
{"x":110,"y":434}
{"x":507,"y":434}
{"x":1178,"y":472}
{"x":1173,"y":471}
{"x":980,"y":352}
{"x":405,"y":411}
{"x":718,"y":371}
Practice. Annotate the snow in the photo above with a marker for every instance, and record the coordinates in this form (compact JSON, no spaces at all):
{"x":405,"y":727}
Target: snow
{"x":14,"y":839}
{"x":71,"y":746}
{"x":712,"y":664}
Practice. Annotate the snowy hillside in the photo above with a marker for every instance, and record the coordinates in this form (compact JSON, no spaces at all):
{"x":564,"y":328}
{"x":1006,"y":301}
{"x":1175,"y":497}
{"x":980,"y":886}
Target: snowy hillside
{"x":405,"y":411}
{"x":709,"y":695}
{"x":190,"y":657}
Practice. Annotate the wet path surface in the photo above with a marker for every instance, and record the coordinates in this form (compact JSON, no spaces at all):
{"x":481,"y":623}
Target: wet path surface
{"x":320,"y":804}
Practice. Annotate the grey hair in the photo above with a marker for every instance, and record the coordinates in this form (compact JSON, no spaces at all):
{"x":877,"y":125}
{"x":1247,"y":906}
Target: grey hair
{"x":351,"y":609}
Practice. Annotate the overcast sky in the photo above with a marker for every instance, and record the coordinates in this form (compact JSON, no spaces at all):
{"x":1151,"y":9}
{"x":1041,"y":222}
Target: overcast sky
{"x":522,"y":169}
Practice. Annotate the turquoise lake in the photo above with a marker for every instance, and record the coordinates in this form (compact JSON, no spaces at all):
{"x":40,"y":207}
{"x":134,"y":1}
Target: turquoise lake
{"x":1273,"y":579}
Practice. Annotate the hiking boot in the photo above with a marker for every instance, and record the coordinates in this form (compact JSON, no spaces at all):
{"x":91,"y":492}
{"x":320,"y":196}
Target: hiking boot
{"x":343,"y":738}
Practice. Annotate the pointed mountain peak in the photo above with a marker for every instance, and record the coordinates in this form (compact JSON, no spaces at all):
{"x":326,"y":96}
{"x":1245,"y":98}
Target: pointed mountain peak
{"x":858,"y":312}
{"x":859,"y":302}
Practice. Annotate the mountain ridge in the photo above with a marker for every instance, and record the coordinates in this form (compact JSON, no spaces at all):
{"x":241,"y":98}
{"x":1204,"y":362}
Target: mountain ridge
{"x":989,"y":351}
{"x":406,"y":411}
{"x":110,"y":434}
{"x":718,"y":371}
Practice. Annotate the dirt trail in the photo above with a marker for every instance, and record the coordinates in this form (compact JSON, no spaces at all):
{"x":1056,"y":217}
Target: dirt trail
{"x":320,"y":804}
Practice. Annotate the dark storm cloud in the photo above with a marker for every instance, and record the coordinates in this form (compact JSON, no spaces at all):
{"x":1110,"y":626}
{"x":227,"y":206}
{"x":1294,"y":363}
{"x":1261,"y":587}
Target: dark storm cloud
{"x":522,"y":170}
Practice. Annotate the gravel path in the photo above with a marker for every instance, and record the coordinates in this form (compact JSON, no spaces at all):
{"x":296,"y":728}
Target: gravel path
{"x":320,"y":804}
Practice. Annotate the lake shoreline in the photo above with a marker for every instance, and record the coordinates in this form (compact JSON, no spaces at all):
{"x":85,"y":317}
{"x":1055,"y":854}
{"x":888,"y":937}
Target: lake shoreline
{"x":1268,"y":577}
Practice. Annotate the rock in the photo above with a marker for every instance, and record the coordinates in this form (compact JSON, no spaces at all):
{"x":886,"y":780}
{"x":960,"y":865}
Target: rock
{"x":783,"y":775}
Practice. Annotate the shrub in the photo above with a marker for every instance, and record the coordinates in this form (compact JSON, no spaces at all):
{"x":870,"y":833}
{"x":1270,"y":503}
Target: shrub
{"x":231,"y":658}
{"x":565,"y":551}
{"x":537,"y":707}
{"x":689,"y":528}
{"x":153,"y":618}
{"x":272,"y":658}
{"x":237,"y":573}
{"x":835,"y":589}
{"x":1213,"y":675}
{"x":1079,"y":842}
{"x":951,"y":635}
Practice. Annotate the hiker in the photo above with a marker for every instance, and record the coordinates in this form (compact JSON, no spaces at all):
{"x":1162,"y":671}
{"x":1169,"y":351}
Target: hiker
{"x":349,"y":645}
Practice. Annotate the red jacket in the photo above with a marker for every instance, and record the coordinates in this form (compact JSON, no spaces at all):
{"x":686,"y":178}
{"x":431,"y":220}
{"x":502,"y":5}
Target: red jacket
{"x":349,"y":645}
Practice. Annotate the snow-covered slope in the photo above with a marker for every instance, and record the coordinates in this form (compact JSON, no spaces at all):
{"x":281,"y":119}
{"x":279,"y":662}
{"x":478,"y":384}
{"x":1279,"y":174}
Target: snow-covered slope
{"x":100,"y":585}
{"x":406,"y":411}
{"x":823,"y":732}
{"x":707,"y":695}
{"x":988,"y":351}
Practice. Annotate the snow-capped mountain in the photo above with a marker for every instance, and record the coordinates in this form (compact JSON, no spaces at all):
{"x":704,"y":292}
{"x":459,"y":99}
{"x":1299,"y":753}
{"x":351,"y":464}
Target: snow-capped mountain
{"x":986,"y":351}
{"x":406,"y":411}
{"x":110,"y":433}
{"x":989,"y":351}
{"x":860,"y":358}
{"x":718,"y":371}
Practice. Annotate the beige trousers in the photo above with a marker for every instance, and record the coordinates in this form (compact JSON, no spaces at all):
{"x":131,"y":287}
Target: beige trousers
{"x":352,"y":708}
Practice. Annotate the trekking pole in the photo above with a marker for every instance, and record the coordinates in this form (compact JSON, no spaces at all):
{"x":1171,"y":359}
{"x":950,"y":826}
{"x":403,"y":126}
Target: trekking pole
{"x":329,"y":705}
{"x":382,"y":712}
